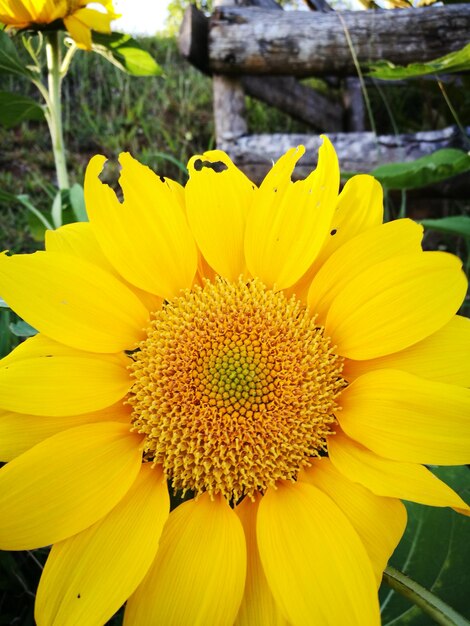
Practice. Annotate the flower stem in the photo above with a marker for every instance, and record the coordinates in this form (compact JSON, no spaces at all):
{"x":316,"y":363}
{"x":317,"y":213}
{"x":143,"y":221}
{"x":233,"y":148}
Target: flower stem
{"x":53,"y":54}
{"x":438,"y":610}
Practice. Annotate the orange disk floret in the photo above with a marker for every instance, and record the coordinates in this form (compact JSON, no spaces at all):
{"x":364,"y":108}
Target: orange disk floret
{"x":234,"y":388}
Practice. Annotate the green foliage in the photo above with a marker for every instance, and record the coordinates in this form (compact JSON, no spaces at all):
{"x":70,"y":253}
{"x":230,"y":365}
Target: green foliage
{"x":10,"y":61}
{"x":458,"y":225}
{"x":22,"y":329}
{"x":15,"y":108}
{"x":427,"y":170}
{"x":434,"y":552}
{"x":458,"y":61}
{"x":77,"y":202}
{"x":7,"y":341}
{"x":125,"y":53}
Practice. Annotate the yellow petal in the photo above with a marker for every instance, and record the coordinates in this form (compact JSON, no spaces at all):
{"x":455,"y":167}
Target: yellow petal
{"x":406,"y":418}
{"x":79,"y":240}
{"x":19,"y":432}
{"x":359,"y":208}
{"x":258,"y":606}
{"x":355,"y":256}
{"x":408,"y":481}
{"x":380,"y":522}
{"x":217,"y":201}
{"x":395,"y":304}
{"x":146,"y":237}
{"x":89,"y":576}
{"x":72,"y":301}
{"x":95,"y":19}
{"x":289,"y":222}
{"x":316,"y":565}
{"x":443,"y":356}
{"x":41,"y":346}
{"x":54,"y":385}
{"x":14,"y":12}
{"x":66,"y":483}
{"x":198,"y":575}
{"x":79,"y":32}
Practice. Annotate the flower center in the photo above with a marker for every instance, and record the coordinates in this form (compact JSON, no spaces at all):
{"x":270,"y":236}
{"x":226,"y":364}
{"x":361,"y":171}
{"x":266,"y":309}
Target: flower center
{"x":234,"y":388}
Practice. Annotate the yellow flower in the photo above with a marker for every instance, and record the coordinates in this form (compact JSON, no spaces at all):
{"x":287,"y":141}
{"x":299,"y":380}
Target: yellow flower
{"x":78,"y":19}
{"x":277,"y":356}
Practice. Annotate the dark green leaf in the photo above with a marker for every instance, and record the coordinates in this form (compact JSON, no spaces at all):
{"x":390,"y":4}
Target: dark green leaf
{"x":458,"y":61}
{"x":22,"y":329}
{"x":454,"y":225}
{"x":77,"y":202}
{"x":15,"y":109}
{"x":36,"y":227}
{"x":6,"y":343}
{"x":124,"y":52}
{"x":10,"y":62}
{"x":427,"y":170}
{"x":435,"y":552}
{"x":63,"y":211}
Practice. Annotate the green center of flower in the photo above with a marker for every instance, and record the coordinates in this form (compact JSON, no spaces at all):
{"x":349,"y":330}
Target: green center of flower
{"x":234,"y":388}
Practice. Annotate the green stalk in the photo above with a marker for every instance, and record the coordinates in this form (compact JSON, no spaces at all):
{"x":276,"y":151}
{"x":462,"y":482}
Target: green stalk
{"x":54,"y":117}
{"x":438,"y":610}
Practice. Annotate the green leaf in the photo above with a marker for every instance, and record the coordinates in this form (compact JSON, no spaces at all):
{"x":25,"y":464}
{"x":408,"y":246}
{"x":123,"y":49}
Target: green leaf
{"x":10,"y":62}
{"x":77,"y":202}
{"x":6,"y":342}
{"x":15,"y":109}
{"x":126,"y":54}
{"x":455,"y":225}
{"x":34,"y":212}
{"x":22,"y":329}
{"x":438,"y":610}
{"x":435,"y":552}
{"x":57,"y":205}
{"x":7,"y":197}
{"x":36,"y":227}
{"x":458,"y":61}
{"x":427,"y":170}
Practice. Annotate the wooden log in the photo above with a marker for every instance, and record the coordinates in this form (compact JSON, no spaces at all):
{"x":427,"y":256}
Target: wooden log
{"x":192,"y":38}
{"x":357,"y":152}
{"x":256,"y":41}
{"x":229,"y":102}
{"x":229,"y":109}
{"x":301,"y":102}
{"x":354,"y":105}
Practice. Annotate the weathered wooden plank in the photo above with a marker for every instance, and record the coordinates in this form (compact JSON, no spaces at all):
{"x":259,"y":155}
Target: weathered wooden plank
{"x":192,"y":38}
{"x":357,"y":152}
{"x":229,"y":101}
{"x":256,"y":41}
{"x":300,"y":101}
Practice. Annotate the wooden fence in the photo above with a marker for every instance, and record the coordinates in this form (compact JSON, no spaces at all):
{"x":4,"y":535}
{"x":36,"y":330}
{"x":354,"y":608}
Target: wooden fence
{"x":252,"y":47}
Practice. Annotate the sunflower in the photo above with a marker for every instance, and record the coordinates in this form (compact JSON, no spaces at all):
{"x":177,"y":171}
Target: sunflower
{"x":275,"y":360}
{"x":78,"y":19}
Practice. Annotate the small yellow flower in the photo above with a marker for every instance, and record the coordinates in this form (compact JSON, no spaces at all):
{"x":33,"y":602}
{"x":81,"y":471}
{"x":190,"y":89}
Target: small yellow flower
{"x":276,"y":356}
{"x":78,"y":19}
